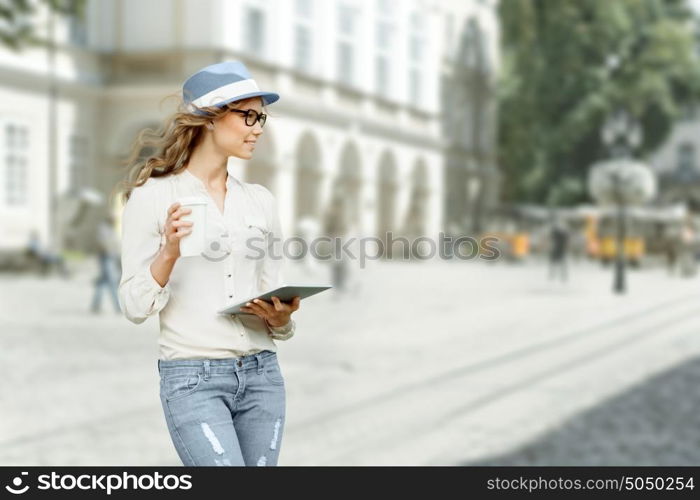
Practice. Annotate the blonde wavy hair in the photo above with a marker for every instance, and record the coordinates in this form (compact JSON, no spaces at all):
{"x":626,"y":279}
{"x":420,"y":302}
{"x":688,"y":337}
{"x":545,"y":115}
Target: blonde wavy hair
{"x":172,"y":145}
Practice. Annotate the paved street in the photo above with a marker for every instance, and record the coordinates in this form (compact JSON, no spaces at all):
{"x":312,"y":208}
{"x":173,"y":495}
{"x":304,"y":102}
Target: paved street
{"x":426,"y":363}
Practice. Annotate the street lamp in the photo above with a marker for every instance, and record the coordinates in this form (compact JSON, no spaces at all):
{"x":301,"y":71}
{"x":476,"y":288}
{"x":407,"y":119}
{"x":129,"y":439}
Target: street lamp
{"x":621,"y":181}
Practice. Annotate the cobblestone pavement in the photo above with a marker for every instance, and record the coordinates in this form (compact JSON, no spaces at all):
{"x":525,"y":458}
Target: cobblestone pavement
{"x":656,"y":422}
{"x":422,"y":363}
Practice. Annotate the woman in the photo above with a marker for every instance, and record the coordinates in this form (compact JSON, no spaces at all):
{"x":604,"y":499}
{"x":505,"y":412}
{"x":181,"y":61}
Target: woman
{"x":221,"y":387}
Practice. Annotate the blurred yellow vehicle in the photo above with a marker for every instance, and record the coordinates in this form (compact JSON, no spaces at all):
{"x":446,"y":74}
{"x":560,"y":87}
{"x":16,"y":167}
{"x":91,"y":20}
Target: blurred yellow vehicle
{"x":633,"y":249}
{"x":601,"y":238}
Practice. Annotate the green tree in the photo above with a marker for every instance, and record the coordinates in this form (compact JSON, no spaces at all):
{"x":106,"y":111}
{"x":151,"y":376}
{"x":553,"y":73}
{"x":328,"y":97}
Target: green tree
{"x":567,"y":64}
{"x":17,"y":26}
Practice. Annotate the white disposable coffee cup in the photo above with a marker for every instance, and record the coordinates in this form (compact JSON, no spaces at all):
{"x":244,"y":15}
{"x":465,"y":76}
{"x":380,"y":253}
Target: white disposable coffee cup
{"x":193,"y":244}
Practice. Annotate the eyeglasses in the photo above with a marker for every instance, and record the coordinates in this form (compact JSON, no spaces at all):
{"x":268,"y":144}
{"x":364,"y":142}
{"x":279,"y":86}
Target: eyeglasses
{"x":251,"y":116}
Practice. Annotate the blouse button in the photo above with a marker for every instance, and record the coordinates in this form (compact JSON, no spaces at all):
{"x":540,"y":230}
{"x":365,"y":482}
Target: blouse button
{"x":229,"y":276}
{"x":230,"y":296}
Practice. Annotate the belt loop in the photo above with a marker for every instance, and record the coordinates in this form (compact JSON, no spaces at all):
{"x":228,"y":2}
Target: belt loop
{"x":206,"y":369}
{"x":258,"y":358}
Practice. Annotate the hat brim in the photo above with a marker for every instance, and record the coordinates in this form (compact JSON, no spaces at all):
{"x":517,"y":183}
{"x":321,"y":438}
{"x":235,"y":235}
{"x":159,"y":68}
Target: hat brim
{"x":268,"y":98}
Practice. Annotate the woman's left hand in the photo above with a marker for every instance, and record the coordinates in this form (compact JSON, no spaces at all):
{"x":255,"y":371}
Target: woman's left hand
{"x":276,"y":314}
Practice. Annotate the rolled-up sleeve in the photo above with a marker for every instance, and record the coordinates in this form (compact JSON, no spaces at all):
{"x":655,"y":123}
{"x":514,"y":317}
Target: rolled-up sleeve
{"x":282,"y":332}
{"x":140,"y":295}
{"x":272,"y":275}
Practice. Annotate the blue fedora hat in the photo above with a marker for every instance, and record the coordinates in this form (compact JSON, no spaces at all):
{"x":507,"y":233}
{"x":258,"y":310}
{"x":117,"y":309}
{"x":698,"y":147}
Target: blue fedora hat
{"x":219,"y":84}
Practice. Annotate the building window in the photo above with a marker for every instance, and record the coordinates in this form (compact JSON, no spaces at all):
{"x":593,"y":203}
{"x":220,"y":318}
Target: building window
{"x":385,"y":28}
{"x":474,"y":49}
{"x":302,"y":55}
{"x":254,"y":30}
{"x":414,"y":85}
{"x":16,"y":153}
{"x":686,"y":159}
{"x":416,"y":52}
{"x":385,"y":8}
{"x":416,"y":45}
{"x":346,"y":45}
{"x":449,"y":36}
{"x":381,"y":72}
{"x":384,"y":33}
{"x":689,"y":112}
{"x":304,"y":9}
{"x":345,"y":63}
{"x":303,"y":42}
{"x":77,"y":169}
{"x":77,"y":30}
{"x":346,"y":19}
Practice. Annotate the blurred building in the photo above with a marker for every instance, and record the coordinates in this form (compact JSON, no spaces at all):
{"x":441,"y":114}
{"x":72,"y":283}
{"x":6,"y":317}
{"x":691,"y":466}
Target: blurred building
{"x":469,"y":112}
{"x":389,"y":104}
{"x":676,"y":163}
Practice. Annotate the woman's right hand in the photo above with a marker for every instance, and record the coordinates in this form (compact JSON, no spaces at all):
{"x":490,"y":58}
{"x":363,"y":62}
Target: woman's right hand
{"x":176,"y":229}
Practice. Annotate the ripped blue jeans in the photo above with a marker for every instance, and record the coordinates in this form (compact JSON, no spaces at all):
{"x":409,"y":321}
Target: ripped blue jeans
{"x":226,"y":412}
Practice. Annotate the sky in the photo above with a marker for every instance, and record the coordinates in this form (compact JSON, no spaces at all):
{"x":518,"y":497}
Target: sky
{"x":695,"y":5}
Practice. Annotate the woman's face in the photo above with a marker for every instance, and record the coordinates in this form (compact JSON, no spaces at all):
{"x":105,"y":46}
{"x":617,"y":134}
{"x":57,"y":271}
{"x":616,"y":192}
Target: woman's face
{"x":233,"y":136}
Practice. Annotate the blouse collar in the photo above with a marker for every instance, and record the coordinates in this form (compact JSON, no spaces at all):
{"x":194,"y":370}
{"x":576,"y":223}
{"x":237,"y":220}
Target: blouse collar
{"x":231,"y":179}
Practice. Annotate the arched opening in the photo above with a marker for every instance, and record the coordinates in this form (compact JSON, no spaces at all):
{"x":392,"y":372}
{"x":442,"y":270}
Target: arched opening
{"x":346,"y":186}
{"x":456,"y":211}
{"x":415,"y":223}
{"x":309,"y":175}
{"x":387,"y":187}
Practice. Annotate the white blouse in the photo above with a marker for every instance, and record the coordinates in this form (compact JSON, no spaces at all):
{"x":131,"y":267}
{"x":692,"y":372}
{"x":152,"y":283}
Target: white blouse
{"x":227,"y":273}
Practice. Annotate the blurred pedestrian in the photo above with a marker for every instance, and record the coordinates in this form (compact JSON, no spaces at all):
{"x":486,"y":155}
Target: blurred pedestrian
{"x":108,"y":257}
{"x":559,"y":240}
{"x":337,"y":227}
{"x":687,"y":262}
{"x":46,"y":259}
{"x":578,"y":244}
{"x":671,"y":248}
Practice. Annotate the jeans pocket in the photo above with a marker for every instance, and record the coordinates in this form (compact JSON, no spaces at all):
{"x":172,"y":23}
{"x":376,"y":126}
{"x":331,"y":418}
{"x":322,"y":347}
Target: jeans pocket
{"x":178,"y":385}
{"x":272,"y":373}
